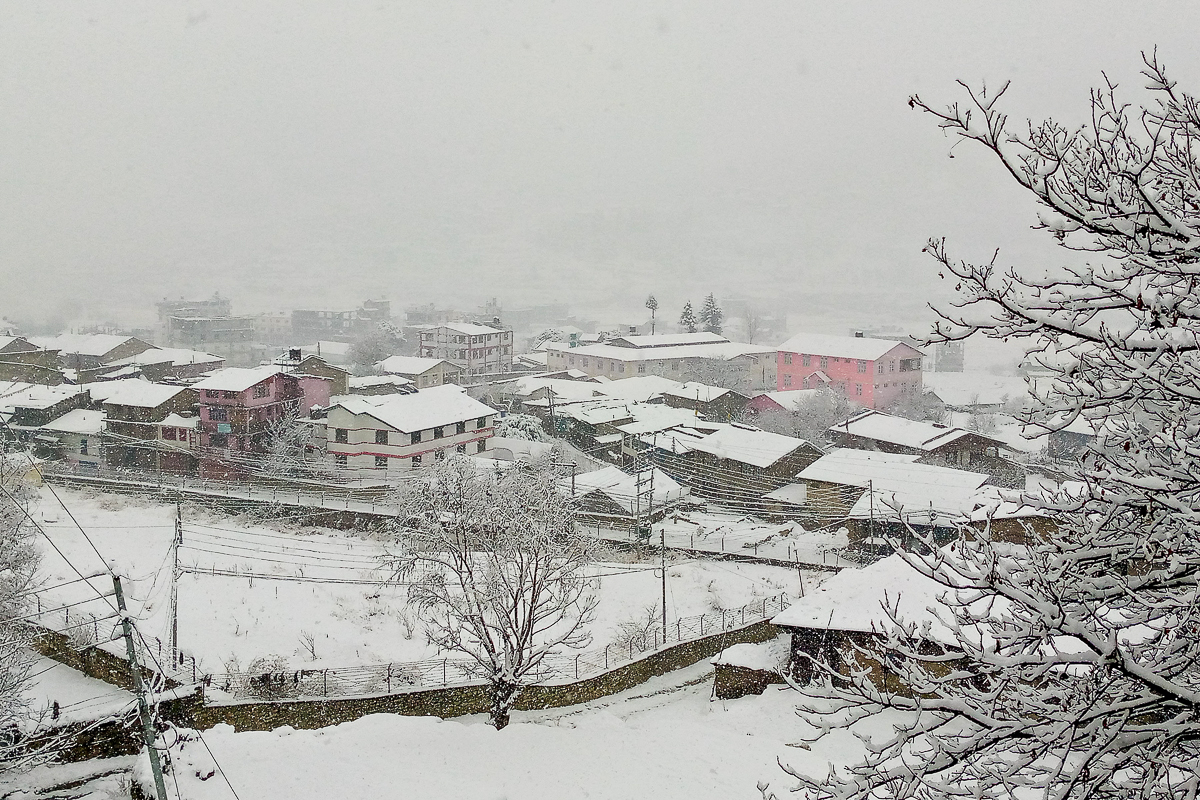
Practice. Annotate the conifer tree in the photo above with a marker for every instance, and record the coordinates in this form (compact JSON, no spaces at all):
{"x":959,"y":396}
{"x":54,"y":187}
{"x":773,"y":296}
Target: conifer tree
{"x":687,"y":320}
{"x":711,"y":315}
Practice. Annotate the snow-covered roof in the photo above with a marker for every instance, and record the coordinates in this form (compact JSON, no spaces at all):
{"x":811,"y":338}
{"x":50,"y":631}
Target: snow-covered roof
{"x":920,"y":491}
{"x":856,"y":599}
{"x":700,"y":392}
{"x":427,"y":408}
{"x":640,"y":388}
{"x":598,"y":412}
{"x":768,"y":656}
{"x":856,"y":347}
{"x":668,"y":339}
{"x":649,"y":418}
{"x":411,"y":365}
{"x":469,"y":328}
{"x":174,"y":420}
{"x":16,"y":394}
{"x":79,"y":420}
{"x":748,"y":445}
{"x":794,"y":493}
{"x":712,"y":350}
{"x":963,"y":389}
{"x":237,"y":379}
{"x":620,"y":486}
{"x":175,"y":356}
{"x":86,"y":344}
{"x":881,"y":427}
{"x":134,"y":392}
{"x":379,"y":380}
{"x":790,"y":399}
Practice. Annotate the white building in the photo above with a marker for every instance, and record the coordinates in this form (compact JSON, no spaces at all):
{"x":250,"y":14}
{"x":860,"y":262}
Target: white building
{"x":401,"y":432}
{"x":478,"y":349}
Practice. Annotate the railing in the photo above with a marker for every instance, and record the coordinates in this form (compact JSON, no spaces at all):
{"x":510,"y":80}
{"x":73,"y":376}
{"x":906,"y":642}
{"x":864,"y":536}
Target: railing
{"x":377,"y":679}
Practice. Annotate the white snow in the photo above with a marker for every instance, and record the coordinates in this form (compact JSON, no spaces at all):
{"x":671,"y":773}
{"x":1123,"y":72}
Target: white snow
{"x":79,"y":420}
{"x":236,"y":379}
{"x":769,"y":656}
{"x":422,"y":410}
{"x":856,"y":347}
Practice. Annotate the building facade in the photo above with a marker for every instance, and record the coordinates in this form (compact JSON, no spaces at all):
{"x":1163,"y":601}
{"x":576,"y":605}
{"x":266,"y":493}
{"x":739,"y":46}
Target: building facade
{"x":237,"y":410}
{"x":875,"y":373}
{"x":702,"y":357}
{"x":476,"y":349}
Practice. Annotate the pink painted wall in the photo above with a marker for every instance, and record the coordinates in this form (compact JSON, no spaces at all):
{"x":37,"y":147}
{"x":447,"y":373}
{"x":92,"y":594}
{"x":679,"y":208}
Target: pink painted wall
{"x":872,"y":384}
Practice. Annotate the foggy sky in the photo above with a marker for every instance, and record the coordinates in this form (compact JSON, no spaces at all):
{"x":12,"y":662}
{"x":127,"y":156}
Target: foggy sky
{"x":316,"y":154}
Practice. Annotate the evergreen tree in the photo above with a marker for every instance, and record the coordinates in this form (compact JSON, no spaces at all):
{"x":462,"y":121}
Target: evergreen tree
{"x":651,"y":304}
{"x":711,"y":315}
{"x":687,"y":320}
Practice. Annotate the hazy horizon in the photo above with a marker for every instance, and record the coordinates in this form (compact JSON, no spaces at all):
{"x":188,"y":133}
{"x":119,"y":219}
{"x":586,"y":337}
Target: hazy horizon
{"x":311,"y":155}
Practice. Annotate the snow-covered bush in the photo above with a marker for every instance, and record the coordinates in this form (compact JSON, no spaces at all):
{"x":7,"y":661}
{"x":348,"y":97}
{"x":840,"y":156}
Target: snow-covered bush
{"x":522,"y":426}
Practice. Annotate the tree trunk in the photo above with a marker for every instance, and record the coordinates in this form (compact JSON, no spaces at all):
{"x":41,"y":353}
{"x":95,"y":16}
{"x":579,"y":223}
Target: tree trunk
{"x":504,"y":695}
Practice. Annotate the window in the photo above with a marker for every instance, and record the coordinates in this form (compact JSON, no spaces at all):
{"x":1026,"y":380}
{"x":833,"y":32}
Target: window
{"x":641,"y":368}
{"x":211,"y":393}
{"x":806,"y":382}
{"x":381,"y":461}
{"x":583,"y":362}
{"x":621,"y":367}
{"x":229,"y":395}
{"x":571,"y":360}
{"x":83,"y":447}
{"x":339,"y":460}
{"x":787,"y":358}
{"x":218,"y":413}
{"x":862,"y":366}
{"x":824,"y":362}
{"x":416,"y":461}
{"x":341,"y":435}
{"x":167,"y":433}
{"x":787,"y":380}
{"x":805,"y":359}
{"x":460,"y":427}
{"x":891,"y":366}
{"x":219,"y":440}
{"x":462,"y":448}
{"x":261,"y":390}
{"x":858,"y":390}
{"x":439,"y":455}
{"x":438,"y":433}
{"x":381,"y":437}
{"x":675,"y":366}
{"x":480,"y":447}
{"x":879,"y":368}
{"x":481,"y":422}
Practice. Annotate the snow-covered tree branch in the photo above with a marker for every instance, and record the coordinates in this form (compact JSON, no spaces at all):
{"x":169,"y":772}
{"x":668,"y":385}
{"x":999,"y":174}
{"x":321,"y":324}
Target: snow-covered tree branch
{"x":498,"y":569}
{"x":1076,"y":667}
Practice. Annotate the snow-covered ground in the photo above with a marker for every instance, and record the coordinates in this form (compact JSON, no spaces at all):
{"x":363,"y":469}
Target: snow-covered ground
{"x":664,"y":739}
{"x":240,"y":617}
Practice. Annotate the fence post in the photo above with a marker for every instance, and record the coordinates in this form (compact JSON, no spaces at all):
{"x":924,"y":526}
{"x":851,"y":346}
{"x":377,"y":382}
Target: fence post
{"x":701,"y":625}
{"x":679,"y":630}
{"x":443,"y":672}
{"x":743,"y":615}
{"x":325,"y":682}
{"x":193,"y":669}
{"x":389,"y":679}
{"x":577,"y":666}
{"x":606,"y":656}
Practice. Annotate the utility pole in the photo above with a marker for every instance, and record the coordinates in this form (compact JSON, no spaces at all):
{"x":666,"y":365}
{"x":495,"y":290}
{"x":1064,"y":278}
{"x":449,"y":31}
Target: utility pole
{"x":663,"y":531}
{"x":871,"y":505}
{"x":553,"y":424}
{"x":175,"y":543}
{"x":143,"y":709}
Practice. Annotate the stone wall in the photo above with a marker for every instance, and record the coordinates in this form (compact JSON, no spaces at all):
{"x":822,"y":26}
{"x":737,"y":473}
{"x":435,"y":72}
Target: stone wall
{"x":456,"y":701}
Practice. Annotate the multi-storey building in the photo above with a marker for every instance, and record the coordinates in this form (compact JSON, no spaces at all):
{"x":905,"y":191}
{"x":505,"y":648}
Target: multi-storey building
{"x":874,"y":373}
{"x":135,"y":411}
{"x":477,"y":349}
{"x":237,"y":409}
{"x":704,"y":357}
{"x":402,"y":432}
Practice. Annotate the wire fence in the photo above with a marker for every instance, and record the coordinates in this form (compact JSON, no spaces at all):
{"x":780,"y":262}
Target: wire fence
{"x":280,"y":684}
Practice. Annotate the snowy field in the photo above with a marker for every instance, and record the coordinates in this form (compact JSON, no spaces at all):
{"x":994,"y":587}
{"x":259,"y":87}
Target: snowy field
{"x":665,"y":739}
{"x":316,"y":617}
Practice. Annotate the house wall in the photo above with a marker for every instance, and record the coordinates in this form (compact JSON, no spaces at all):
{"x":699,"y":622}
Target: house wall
{"x":238,"y":421}
{"x":871,"y":383}
{"x":758,"y":371}
{"x":361,"y":447}
{"x":476,"y":353}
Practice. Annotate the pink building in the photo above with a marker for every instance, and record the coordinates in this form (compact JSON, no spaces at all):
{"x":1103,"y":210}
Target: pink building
{"x":872,"y":372}
{"x":238,"y":407}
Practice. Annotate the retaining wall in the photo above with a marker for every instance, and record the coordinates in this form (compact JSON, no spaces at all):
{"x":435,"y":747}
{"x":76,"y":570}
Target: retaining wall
{"x":456,"y":701}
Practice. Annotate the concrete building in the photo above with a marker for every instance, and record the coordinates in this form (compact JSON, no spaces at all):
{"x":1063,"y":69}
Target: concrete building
{"x":22,"y":360}
{"x":134,"y":412}
{"x":476,"y":349}
{"x":703,"y":357}
{"x":79,"y":435}
{"x":872,"y":372}
{"x":423,"y":372}
{"x":400,"y":432}
{"x":237,"y":409}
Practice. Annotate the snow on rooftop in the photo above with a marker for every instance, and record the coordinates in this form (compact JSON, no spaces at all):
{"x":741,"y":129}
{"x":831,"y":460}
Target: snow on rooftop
{"x":16,"y":394}
{"x":713,"y":350}
{"x":79,"y":420}
{"x":794,"y":493}
{"x":768,"y":656}
{"x":175,"y":356}
{"x":409,"y":365}
{"x":641,"y":388}
{"x":700,"y":392}
{"x":379,"y":380}
{"x":856,"y":599}
{"x":748,"y":445}
{"x":174,"y":420}
{"x":470,"y":328}
{"x":427,"y":408}
{"x":789,"y":400}
{"x":134,"y":392}
{"x":649,"y":418}
{"x":881,"y":427}
{"x":619,"y":486}
{"x":963,"y":389}
{"x":87,"y":344}
{"x":237,"y":379}
{"x":820,"y":344}
{"x":669,"y":339}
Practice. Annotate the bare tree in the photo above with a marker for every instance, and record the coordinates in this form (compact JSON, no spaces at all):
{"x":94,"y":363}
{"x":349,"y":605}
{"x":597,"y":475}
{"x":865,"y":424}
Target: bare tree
{"x":18,"y":563}
{"x":292,"y":447}
{"x":497,"y":568}
{"x":1077,"y":668}
{"x":810,"y":419}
